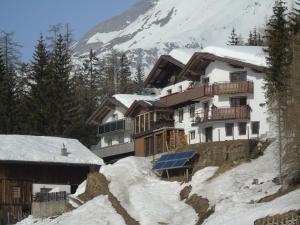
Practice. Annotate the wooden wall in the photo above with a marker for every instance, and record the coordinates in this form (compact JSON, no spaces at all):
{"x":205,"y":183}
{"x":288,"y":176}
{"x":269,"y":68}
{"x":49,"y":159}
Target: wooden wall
{"x":139,"y":145}
{"x":16,"y":203}
{"x":47,"y":174}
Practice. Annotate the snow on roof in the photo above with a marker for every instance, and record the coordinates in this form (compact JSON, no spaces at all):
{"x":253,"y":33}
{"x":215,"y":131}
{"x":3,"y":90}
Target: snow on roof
{"x":127,"y":99}
{"x":248,"y":54}
{"x":45,"y":149}
{"x":183,"y":55}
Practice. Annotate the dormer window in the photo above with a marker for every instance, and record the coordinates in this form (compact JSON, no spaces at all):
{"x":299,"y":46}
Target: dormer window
{"x":169,"y":91}
{"x":238,"y":76}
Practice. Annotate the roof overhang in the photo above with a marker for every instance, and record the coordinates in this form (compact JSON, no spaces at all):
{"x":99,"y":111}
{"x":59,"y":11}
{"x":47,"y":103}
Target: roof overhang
{"x":137,"y":106}
{"x":106,"y":106}
{"x":198,"y":63}
{"x":161,"y":70}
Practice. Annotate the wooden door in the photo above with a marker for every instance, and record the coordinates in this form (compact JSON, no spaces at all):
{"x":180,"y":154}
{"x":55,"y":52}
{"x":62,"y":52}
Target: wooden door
{"x":206,"y":110}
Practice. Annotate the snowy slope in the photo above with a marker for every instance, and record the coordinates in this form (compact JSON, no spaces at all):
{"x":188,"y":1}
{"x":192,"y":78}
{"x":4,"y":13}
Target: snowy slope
{"x":155,"y":27}
{"x":152,"y":201}
{"x":98,"y":211}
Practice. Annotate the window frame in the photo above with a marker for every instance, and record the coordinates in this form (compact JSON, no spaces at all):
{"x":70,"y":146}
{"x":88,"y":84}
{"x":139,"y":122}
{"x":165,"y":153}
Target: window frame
{"x":240,"y":128}
{"x":180,"y":115}
{"x":192,"y":135}
{"x":192,"y":109}
{"x":226,"y":129}
{"x":239,"y":76}
{"x":258,"y":127}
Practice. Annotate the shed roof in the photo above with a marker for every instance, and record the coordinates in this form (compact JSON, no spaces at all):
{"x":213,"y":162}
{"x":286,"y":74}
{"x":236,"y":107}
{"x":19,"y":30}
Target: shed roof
{"x":44,"y":149}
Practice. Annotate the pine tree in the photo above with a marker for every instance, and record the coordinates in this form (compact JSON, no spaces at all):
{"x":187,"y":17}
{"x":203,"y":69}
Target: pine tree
{"x":139,"y":79}
{"x":9,"y":55}
{"x":62,"y":105}
{"x":255,"y":37}
{"x":250,"y":39}
{"x":110,"y":73}
{"x":125,"y":83}
{"x":41,"y":96}
{"x":278,"y":77}
{"x":233,"y":38}
{"x":10,"y":50}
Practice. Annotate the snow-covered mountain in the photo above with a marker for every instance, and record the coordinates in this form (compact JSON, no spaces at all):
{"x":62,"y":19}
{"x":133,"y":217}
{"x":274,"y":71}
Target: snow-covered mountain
{"x":154,"y":27}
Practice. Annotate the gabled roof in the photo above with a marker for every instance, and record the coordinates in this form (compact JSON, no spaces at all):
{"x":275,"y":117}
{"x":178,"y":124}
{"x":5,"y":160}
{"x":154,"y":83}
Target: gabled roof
{"x":165,"y":67}
{"x":137,"y":106}
{"x":240,"y":57}
{"x":119,"y":100}
{"x":45,"y":150}
{"x":105,"y":107}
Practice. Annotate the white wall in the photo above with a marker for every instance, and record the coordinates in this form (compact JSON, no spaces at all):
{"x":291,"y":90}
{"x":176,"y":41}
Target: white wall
{"x":104,"y":141}
{"x":109,"y":117}
{"x":175,"y":88}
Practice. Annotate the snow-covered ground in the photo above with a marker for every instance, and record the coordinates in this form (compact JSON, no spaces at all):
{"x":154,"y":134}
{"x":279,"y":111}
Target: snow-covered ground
{"x":150,"y":200}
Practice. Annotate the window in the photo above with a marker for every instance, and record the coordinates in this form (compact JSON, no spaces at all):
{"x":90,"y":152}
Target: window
{"x":192,"y":111}
{"x":180,"y":88}
{"x":255,"y":127}
{"x":169,"y":91}
{"x":238,"y":101}
{"x":229,"y":129}
{"x":109,"y":142}
{"x":115,"y":117}
{"x":238,"y":76}
{"x":180,"y":115}
{"x":205,"y":81}
{"x":242,"y":128}
{"x":192,"y":135}
{"x":121,"y":139}
{"x":16,"y":192}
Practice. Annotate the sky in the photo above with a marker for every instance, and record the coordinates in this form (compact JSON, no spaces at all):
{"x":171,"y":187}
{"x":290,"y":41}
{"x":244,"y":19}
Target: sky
{"x":28,"y":18}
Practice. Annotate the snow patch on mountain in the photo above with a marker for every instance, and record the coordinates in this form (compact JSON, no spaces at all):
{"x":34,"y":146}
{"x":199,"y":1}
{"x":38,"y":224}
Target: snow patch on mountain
{"x":155,"y":27}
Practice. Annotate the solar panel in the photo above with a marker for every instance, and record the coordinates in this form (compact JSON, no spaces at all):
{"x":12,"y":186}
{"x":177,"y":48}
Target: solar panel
{"x":174,"y":160}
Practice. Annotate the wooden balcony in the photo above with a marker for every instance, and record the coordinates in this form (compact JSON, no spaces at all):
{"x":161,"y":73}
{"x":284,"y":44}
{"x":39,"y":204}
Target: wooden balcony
{"x":224,"y":113}
{"x":239,"y":87}
{"x":196,"y":93}
{"x":188,"y":95}
{"x":229,"y":113}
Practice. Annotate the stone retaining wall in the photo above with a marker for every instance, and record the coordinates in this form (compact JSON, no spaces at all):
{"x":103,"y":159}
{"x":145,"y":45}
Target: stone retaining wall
{"x":289,"y":218}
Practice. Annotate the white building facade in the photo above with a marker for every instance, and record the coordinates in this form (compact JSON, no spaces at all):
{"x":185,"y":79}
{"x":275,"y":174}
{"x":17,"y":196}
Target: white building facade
{"x":232,"y":103}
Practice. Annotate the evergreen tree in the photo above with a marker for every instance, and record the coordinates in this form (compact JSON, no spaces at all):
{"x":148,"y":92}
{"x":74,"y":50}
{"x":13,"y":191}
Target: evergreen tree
{"x":139,"y":79}
{"x":62,"y":106}
{"x":110,"y":73}
{"x":125,"y":82}
{"x":233,"y":38}
{"x":10,"y":50}
{"x":250,"y":39}
{"x":9,"y":55}
{"x":41,"y":96}
{"x":278,"y":77}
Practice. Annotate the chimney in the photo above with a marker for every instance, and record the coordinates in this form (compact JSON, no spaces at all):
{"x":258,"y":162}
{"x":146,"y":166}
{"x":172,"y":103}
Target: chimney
{"x":64,"y":150}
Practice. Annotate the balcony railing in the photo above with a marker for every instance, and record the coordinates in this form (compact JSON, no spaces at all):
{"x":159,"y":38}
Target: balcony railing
{"x":157,"y":125}
{"x":198,"y":92}
{"x":163,"y":123}
{"x":188,"y":95}
{"x":118,"y":125}
{"x":224,"y":113}
{"x":233,"y":87}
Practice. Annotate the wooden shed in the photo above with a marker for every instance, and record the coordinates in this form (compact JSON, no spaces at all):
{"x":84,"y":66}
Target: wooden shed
{"x":29,"y":160}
